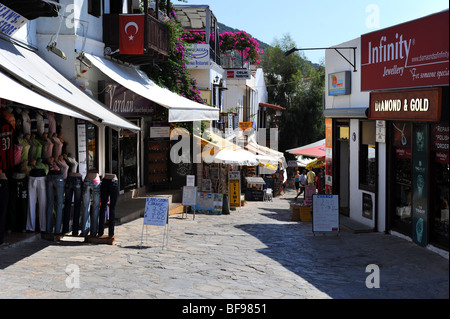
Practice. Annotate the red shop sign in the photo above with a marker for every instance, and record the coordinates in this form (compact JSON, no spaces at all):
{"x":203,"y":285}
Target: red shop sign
{"x":412,"y":54}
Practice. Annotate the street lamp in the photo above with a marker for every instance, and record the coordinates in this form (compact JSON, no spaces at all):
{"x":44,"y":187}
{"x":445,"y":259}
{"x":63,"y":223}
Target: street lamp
{"x":292,"y":50}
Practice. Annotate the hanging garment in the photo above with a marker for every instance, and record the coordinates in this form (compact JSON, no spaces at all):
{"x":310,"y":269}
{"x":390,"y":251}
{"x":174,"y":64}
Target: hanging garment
{"x":26,"y":122}
{"x":55,"y":197}
{"x":4,"y":194}
{"x":6,"y":144}
{"x":64,"y":167}
{"x":37,"y":193}
{"x":51,"y":123}
{"x":109,"y":189}
{"x":57,"y":147}
{"x":72,"y":190}
{"x":18,"y":203}
{"x":91,"y":191}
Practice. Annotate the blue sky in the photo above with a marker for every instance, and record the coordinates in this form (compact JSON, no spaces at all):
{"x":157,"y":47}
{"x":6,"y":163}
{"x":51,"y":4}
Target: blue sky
{"x":319,"y":23}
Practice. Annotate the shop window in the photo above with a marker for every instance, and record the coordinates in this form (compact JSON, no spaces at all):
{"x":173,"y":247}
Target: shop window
{"x":367,"y":156}
{"x":91,"y":137}
{"x":440,"y":197}
{"x":402,"y":168}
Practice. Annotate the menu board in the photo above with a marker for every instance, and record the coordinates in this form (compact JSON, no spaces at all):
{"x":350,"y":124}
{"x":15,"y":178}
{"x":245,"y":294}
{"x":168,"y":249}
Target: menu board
{"x":189,"y":195}
{"x":156,"y":211}
{"x":325,"y":217}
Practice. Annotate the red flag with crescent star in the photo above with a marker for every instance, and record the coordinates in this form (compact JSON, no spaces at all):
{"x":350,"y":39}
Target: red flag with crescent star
{"x":131,"y":33}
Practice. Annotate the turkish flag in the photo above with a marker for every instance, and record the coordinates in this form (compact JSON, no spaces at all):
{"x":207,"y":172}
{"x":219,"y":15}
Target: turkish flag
{"x":131,"y":33}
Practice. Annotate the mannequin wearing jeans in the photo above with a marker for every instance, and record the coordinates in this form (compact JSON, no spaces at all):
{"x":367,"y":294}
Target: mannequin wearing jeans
{"x":91,"y":191}
{"x":3,"y":204}
{"x":108,"y":189}
{"x":18,"y":203}
{"x":73,"y":188}
{"x":55,"y":196}
{"x":37,"y":192}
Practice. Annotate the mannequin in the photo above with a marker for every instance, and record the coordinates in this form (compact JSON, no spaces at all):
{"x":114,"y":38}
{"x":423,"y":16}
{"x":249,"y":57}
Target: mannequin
{"x":72,"y":189}
{"x":39,"y":122}
{"x":109,"y":189}
{"x":6,"y":144}
{"x":26,"y":147}
{"x":4,"y":195}
{"x":18,"y":202}
{"x":26,"y":122}
{"x":38,"y":145}
{"x":73,"y":164}
{"x":37,"y":193}
{"x":55,"y":196}
{"x":64,"y":167}
{"x":57,"y":148}
{"x":91,"y":191}
{"x":51,"y":123}
{"x":48,"y":146}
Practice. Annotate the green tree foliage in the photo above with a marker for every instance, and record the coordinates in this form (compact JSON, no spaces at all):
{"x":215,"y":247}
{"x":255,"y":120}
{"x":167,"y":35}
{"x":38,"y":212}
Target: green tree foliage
{"x":292,"y":82}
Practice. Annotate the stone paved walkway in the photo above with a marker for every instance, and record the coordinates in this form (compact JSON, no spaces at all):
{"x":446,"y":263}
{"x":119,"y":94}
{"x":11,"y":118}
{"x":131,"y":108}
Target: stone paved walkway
{"x":256,"y":252}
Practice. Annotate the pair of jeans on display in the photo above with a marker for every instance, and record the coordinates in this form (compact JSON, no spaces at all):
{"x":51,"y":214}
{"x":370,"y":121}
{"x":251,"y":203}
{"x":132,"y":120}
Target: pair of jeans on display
{"x":4,"y":190}
{"x":109,"y":189}
{"x":37,"y":193}
{"x":91,"y":191}
{"x":72,"y":190}
{"x":18,"y":203}
{"x":55,"y":198}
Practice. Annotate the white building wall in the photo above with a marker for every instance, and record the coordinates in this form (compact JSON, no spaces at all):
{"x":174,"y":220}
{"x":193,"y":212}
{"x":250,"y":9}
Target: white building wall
{"x":357,"y":99}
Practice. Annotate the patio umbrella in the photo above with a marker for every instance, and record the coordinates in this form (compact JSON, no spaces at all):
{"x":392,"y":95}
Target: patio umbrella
{"x":316,"y":149}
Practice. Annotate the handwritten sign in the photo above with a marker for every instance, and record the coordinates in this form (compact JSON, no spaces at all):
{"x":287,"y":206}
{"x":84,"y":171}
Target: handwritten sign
{"x":325,"y":213}
{"x":156,"y":211}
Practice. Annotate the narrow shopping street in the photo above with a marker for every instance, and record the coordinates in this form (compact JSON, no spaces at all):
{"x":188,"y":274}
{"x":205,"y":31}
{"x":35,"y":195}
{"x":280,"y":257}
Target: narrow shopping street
{"x":256,"y":252}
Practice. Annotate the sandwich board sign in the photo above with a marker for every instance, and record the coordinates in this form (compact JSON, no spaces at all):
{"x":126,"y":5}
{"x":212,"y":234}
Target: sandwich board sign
{"x":156,"y":213}
{"x":325,"y":216}
{"x":189,"y":198}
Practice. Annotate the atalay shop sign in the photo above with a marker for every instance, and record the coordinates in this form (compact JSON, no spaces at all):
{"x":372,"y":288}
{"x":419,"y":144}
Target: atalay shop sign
{"x":10,"y":21}
{"x":412,"y":54}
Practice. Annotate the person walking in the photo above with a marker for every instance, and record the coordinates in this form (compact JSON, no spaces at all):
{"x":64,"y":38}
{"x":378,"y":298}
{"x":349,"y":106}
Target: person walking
{"x":311,"y":176}
{"x":297,"y":182}
{"x":302,"y":184}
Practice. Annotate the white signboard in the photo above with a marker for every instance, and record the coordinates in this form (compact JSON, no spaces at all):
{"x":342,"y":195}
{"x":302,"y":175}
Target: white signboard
{"x":325,"y":216}
{"x":190,"y":180}
{"x":239,"y":74}
{"x":156,"y":211}
{"x":82,"y":149}
{"x":10,"y":21}
{"x":198,"y":56}
{"x":189,"y":196}
{"x":159,"y":131}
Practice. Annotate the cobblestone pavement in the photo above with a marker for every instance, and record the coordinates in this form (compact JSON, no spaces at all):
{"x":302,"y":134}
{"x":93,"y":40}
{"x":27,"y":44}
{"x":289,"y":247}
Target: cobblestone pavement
{"x":255,"y":252}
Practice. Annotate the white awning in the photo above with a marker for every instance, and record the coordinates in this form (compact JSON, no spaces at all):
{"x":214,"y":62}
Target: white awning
{"x":237,"y":156}
{"x":13,"y":91}
{"x":180,"y":109}
{"x":34,"y":72}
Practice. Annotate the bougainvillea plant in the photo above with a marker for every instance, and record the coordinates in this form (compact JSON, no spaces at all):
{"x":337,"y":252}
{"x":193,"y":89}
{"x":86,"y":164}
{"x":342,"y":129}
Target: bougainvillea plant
{"x":242,"y":42}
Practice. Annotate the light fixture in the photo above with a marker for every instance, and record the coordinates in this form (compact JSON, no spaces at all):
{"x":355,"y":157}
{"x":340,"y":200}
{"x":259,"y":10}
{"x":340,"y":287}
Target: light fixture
{"x":292,"y":50}
{"x":81,"y":57}
{"x":52,"y":48}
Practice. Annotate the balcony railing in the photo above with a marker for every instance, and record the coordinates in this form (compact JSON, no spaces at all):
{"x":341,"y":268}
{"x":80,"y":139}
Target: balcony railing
{"x":156,"y":43}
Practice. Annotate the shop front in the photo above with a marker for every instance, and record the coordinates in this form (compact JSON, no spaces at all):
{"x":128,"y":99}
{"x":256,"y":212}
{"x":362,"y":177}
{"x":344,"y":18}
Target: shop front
{"x":417,"y":141}
{"x":406,"y":73}
{"x":50,"y":154}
